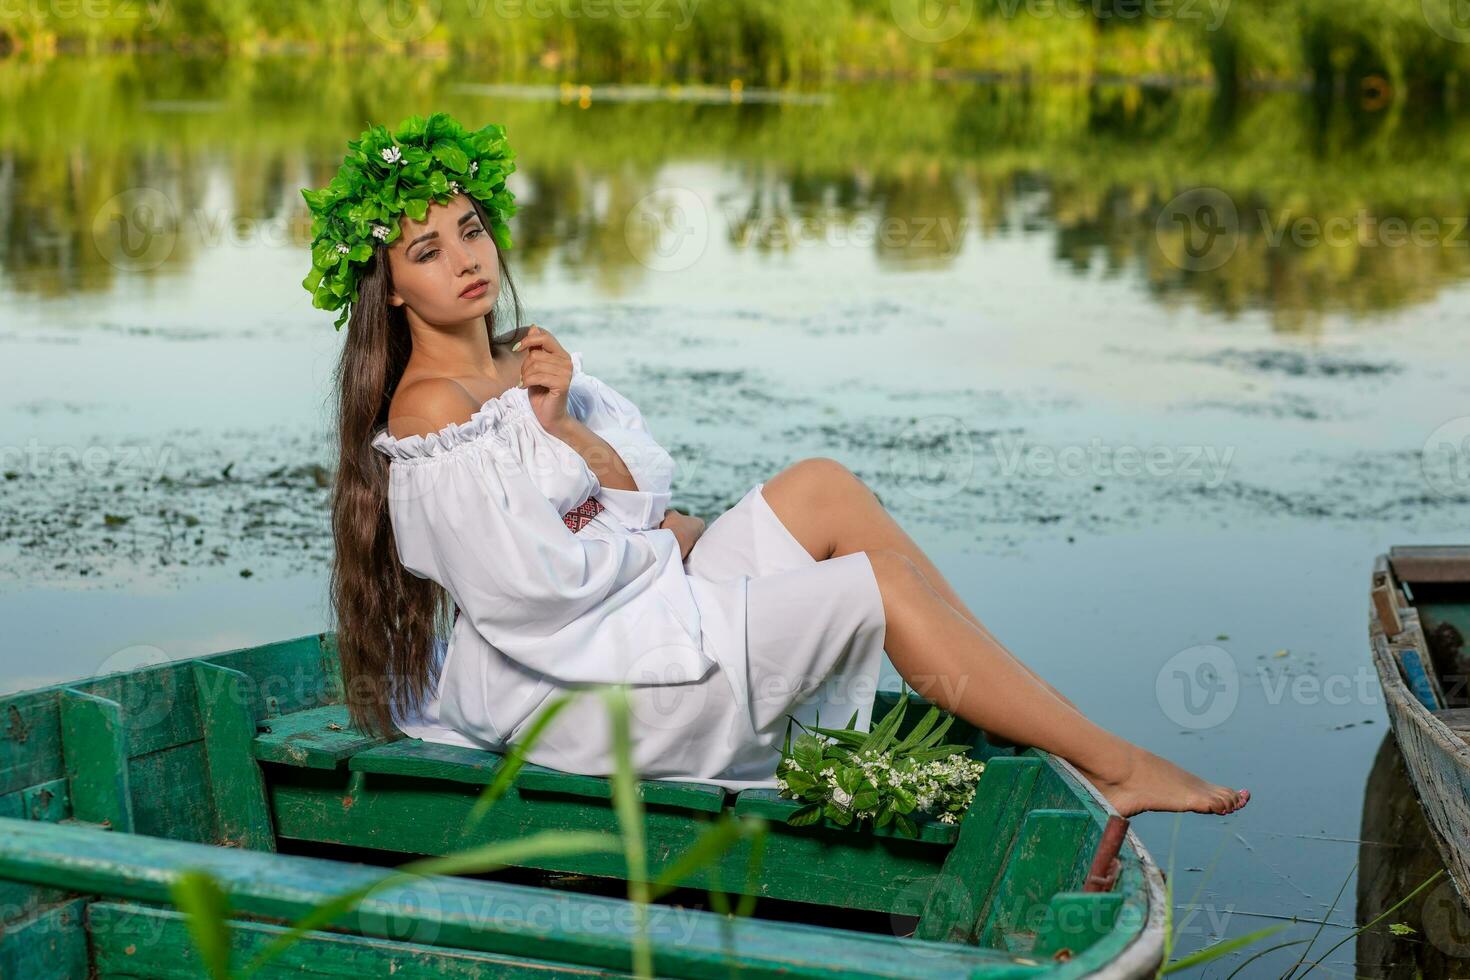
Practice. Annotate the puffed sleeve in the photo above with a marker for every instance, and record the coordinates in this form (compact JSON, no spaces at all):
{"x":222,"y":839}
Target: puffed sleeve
{"x":593,"y":609}
{"x":615,"y":418}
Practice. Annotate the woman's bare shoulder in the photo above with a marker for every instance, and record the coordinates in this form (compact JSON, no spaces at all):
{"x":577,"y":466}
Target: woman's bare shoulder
{"x":426,"y":405}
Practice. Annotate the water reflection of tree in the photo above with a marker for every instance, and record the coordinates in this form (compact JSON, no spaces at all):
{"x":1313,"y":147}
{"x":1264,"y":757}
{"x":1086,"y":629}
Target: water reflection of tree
{"x":1089,"y":167}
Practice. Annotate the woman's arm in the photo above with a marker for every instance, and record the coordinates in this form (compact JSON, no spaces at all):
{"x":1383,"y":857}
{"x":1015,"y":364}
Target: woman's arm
{"x":602,"y":459}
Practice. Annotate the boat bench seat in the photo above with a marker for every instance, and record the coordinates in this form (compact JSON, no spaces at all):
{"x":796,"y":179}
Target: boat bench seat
{"x":322,"y":738}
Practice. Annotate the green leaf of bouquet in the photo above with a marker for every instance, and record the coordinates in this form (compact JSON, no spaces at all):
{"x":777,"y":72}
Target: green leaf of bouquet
{"x":808,"y":751}
{"x":806,"y":816}
{"x":849,"y":778}
{"x":837,"y":813}
{"x":451,"y":156}
{"x":919,"y":730}
{"x":878,"y":737}
{"x":905,"y":825}
{"x":865,"y":801}
{"x":932,"y":739}
{"x":800,"y":782}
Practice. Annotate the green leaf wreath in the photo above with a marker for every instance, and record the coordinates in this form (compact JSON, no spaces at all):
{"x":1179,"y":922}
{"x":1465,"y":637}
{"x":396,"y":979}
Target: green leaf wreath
{"x":847,"y":775}
{"x":385,"y":175}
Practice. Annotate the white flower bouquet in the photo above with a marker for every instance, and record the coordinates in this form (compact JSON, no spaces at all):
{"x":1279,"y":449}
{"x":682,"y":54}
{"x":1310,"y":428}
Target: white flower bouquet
{"x":847,"y":775}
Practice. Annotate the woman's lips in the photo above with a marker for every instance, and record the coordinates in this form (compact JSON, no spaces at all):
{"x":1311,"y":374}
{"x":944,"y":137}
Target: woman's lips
{"x":474,"y":291}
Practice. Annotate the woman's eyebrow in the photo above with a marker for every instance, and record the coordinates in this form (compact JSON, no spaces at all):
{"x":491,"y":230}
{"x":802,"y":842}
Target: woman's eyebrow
{"x":434,"y":234}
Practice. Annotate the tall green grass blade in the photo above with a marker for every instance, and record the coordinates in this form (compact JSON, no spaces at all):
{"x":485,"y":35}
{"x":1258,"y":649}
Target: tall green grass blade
{"x":199,"y":896}
{"x":629,"y":807}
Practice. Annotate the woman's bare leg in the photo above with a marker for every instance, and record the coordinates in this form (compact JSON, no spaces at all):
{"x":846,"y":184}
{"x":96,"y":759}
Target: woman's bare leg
{"x":940,"y":651}
{"x":839,"y":514}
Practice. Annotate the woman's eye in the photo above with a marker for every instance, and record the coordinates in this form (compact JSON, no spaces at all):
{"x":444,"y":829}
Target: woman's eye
{"x":427,"y":253}
{"x":476,"y":231}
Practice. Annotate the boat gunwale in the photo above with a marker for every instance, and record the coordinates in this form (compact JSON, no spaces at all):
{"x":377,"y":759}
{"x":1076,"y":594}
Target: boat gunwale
{"x":1404,"y":708}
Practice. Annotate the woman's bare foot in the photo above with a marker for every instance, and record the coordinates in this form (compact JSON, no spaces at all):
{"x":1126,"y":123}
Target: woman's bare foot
{"x":1147,"y":782}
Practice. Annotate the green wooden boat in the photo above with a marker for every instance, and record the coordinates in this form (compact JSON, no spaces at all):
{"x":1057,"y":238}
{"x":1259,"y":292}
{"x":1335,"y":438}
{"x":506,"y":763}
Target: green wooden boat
{"x":243,"y":764}
{"x":1419,"y":619}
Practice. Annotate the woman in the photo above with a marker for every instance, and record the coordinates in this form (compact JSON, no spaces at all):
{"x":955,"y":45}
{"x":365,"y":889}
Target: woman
{"x":493,"y":475}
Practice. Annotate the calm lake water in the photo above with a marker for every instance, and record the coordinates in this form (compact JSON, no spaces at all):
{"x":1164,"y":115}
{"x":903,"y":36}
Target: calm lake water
{"x":1153,"y":377}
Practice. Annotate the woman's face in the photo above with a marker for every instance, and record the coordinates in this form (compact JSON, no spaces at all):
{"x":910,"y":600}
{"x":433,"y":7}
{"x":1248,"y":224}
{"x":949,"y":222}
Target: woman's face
{"x":437,"y":262}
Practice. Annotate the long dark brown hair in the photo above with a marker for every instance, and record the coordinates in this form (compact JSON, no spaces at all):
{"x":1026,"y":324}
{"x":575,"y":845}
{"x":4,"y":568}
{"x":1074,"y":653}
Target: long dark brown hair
{"x":386,"y":618}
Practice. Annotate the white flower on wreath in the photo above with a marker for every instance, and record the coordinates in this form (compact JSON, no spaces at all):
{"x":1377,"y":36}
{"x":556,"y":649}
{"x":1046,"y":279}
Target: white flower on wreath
{"x":474,"y":166}
{"x":342,"y":248}
{"x":454,"y":187}
{"x":391,"y":154}
{"x":380,"y":232}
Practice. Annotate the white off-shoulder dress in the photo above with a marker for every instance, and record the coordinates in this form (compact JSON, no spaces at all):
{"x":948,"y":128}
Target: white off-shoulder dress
{"x":717,"y":649}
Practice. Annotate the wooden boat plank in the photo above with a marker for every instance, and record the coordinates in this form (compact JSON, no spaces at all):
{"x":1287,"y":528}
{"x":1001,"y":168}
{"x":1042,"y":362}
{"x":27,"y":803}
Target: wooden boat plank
{"x":1045,"y":859}
{"x":1431,"y":563}
{"x":318,"y":738}
{"x":477,"y":767}
{"x":95,"y":746}
{"x":235,"y":781}
{"x":971,"y":870}
{"x":51,"y":945}
{"x":171,"y":795}
{"x":1074,"y":921}
{"x":133,"y":941}
{"x":850,"y":870}
{"x":527,"y":922}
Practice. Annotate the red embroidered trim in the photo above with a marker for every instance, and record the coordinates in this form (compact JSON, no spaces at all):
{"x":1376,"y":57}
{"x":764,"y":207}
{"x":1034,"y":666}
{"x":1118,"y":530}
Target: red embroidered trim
{"x":581,"y":515}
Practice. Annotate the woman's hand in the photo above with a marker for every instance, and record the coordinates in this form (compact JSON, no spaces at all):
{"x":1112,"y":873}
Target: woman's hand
{"x":686,"y":528}
{"x":546,"y":373}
